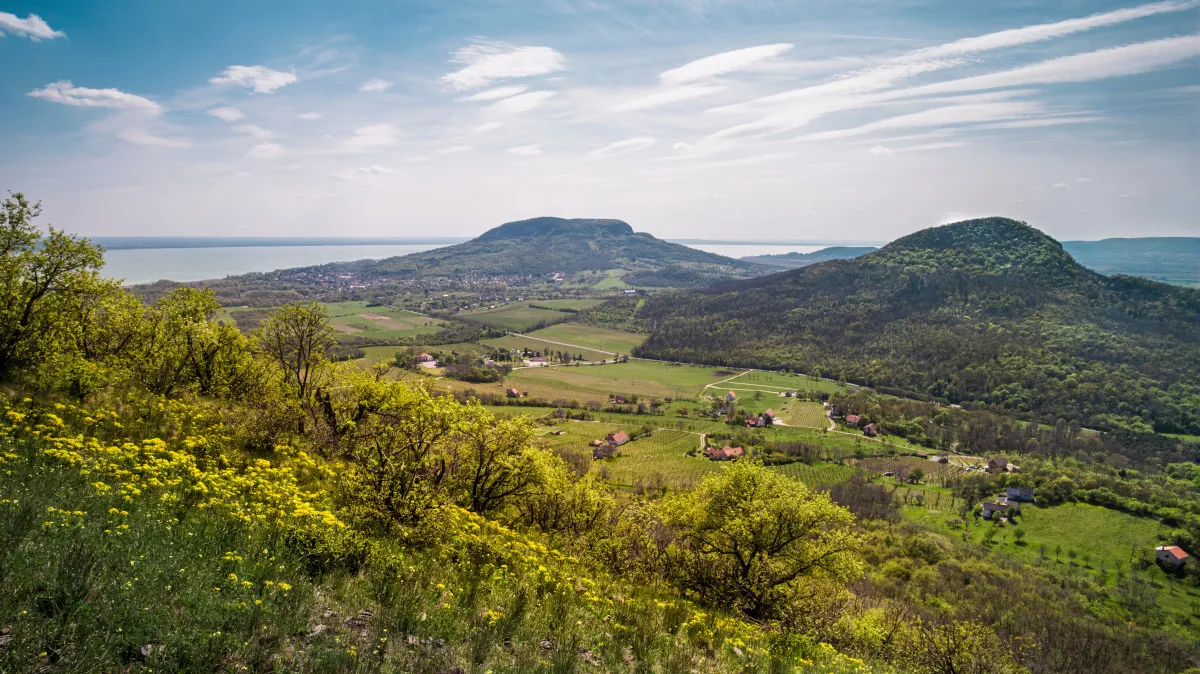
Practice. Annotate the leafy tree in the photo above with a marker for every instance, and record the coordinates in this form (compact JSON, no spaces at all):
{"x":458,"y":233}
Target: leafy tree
{"x":296,"y":337}
{"x":916,"y":475}
{"x":495,"y":464}
{"x":42,"y":280}
{"x":752,"y":539}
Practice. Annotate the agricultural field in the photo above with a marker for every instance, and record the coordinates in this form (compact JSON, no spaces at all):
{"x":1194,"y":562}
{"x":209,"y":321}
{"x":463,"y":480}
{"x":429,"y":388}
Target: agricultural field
{"x":577,"y":434}
{"x":801,"y":413}
{"x":520,"y":316}
{"x":817,"y":474}
{"x":647,"y":379}
{"x":589,"y":337}
{"x":660,"y":460}
{"x":356,"y":318}
{"x":520,"y":342}
{"x":775,"y":382}
{"x":935,"y":473}
{"x":612,"y":280}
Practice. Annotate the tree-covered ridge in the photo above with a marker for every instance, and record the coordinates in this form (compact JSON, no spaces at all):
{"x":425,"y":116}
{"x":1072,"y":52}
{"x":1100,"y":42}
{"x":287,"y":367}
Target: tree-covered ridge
{"x":548,"y":245}
{"x":986,"y":311}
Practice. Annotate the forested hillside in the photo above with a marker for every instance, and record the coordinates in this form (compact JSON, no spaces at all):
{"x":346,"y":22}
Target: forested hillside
{"x":548,"y":245}
{"x":988,"y":311}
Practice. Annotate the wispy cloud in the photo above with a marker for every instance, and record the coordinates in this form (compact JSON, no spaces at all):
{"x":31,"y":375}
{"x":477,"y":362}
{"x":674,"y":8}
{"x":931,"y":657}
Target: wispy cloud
{"x":372,"y":137}
{"x":525,"y":150}
{"x":488,"y":127}
{"x":623,"y":147}
{"x":139,"y":136}
{"x":266,"y":151}
{"x":375,"y":86}
{"x":254,"y":130}
{"x":366,"y":175}
{"x":666,"y":97}
{"x":496,"y":93}
{"x":881,"y":149}
{"x":719,"y":64}
{"x":454,"y":149}
{"x":485,"y":62}
{"x":227,"y":114}
{"x":261,"y":79}
{"x":521,"y":102}
{"x":68,"y":94}
{"x":309,"y":116}
{"x":32,"y":26}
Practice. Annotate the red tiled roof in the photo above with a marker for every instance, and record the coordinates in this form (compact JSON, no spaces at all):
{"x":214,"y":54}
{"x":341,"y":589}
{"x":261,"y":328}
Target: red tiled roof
{"x":619,"y":437}
{"x":852,"y":418}
{"x":770,"y":413}
{"x":1176,"y":551}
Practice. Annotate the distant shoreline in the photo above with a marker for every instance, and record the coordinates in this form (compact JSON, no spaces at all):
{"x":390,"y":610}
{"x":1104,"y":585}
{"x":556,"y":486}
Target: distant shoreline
{"x":158,"y":242}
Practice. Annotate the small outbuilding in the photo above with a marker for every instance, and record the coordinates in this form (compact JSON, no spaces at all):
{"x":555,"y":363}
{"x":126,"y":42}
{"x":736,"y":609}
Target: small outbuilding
{"x":731,"y":396}
{"x":993,"y":510}
{"x":726,"y":453}
{"x":870,"y":431}
{"x":617,"y":439}
{"x":999,"y":465}
{"x":1172,"y":556}
{"x":512,"y":393}
{"x":852,"y":419}
{"x":1019,"y":493}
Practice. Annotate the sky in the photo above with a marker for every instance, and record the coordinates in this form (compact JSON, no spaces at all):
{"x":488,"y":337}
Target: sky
{"x":721,"y":119}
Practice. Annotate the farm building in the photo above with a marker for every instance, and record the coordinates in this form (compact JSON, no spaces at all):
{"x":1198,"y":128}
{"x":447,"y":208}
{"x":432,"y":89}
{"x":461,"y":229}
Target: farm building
{"x":539,"y":361}
{"x":993,"y":510}
{"x":731,"y":396}
{"x":620,"y":400}
{"x":870,"y":431}
{"x":769,"y":413}
{"x":424,"y":358}
{"x":605,"y":451}
{"x":1170,"y":555}
{"x":852,"y":419}
{"x":1020,"y":493}
{"x":595,"y":443}
{"x":726,"y":453}
{"x":619,"y":438}
{"x":512,"y":393}
{"x":997,"y":465}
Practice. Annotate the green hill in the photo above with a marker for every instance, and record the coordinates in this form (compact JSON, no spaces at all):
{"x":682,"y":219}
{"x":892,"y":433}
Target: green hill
{"x":548,"y":245}
{"x":795,"y":260}
{"x":989,"y":311}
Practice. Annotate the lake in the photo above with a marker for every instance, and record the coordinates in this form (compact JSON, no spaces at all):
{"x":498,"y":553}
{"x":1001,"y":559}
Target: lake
{"x":146,"y":265}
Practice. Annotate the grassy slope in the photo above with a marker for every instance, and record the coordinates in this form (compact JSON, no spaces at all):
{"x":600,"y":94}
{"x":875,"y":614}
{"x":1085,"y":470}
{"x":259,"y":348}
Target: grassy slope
{"x":520,"y":316}
{"x":602,"y":339}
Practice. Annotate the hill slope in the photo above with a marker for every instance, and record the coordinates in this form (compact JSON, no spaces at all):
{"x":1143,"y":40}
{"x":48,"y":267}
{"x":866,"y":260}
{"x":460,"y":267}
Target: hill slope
{"x":548,"y":245}
{"x":990,"y":311}
{"x":797,"y":260}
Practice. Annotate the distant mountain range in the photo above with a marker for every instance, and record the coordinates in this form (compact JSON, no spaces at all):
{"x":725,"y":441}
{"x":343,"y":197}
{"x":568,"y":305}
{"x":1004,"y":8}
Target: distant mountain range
{"x":797,"y":260}
{"x":548,"y":245}
{"x":987,"y":311}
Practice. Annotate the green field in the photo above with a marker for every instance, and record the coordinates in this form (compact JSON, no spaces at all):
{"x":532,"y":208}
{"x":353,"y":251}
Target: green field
{"x":777,"y":382}
{"x":356,"y":318}
{"x":520,"y":316}
{"x":589,"y":337}
{"x":800,"y":413}
{"x":642,"y":378}
{"x":817,"y":474}
{"x":612,"y":280}
{"x":536,"y":345}
{"x":659,"y":460}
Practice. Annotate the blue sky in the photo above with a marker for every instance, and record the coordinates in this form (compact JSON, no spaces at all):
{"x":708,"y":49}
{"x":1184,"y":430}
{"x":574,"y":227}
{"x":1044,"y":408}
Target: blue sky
{"x":749,"y":119}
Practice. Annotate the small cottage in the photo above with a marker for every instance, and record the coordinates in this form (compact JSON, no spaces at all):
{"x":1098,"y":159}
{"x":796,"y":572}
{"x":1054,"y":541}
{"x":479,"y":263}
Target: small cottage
{"x":512,"y":393}
{"x":870,"y":431}
{"x":997,"y":465}
{"x":1172,"y":556}
{"x":619,"y":438}
{"x":620,"y":400}
{"x":852,"y":419}
{"x":994,"y":510}
{"x":1019,"y":493}
{"x":726,"y":453}
{"x":424,"y":358}
{"x":731,"y":396}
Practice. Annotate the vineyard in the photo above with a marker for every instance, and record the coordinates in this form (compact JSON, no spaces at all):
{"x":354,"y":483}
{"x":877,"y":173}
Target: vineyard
{"x":817,"y":474}
{"x":798,"y":413}
{"x":658,"y":461}
{"x":577,"y":434}
{"x":935,"y":473}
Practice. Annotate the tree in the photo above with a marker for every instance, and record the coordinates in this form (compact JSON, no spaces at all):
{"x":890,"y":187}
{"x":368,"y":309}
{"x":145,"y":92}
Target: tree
{"x":296,"y":337}
{"x":916,"y":475}
{"x":751,"y":539}
{"x":42,"y":278}
{"x":495,"y":462}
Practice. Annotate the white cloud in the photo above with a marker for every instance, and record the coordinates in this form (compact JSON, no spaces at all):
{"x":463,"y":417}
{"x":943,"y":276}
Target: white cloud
{"x":260,"y":78}
{"x":254,"y":130}
{"x":1060,"y":186}
{"x":521,"y":102}
{"x":33,"y":27}
{"x":525,"y":150}
{"x":666,"y":96}
{"x":366,"y":175}
{"x":487,"y":127}
{"x":1046,"y":31}
{"x":484,"y":63}
{"x":719,"y":64}
{"x":881,"y":149}
{"x":375,"y":86}
{"x":66,"y":93}
{"x":1040,"y":122}
{"x":143,"y":137}
{"x":934,"y":146}
{"x":266,"y":151}
{"x":1084,"y":180}
{"x":622,"y":147}
{"x":455,"y":149}
{"x":227,"y":113}
{"x":496,"y":93}
{"x":371,"y":137}
{"x":309,"y":116}
{"x":947,"y":115}
{"x":1132,"y":59}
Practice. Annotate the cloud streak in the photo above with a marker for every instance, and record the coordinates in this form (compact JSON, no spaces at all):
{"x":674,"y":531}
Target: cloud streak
{"x":484,"y":63}
{"x":261,"y":79}
{"x":720,"y":64}
{"x":65,"y":93}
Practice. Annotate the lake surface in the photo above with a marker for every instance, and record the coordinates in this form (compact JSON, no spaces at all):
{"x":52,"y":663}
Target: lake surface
{"x":146,"y":265}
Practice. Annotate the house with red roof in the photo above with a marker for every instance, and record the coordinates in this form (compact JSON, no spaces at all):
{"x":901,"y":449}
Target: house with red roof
{"x":870,"y":431}
{"x":731,"y":396}
{"x":852,"y":419}
{"x":512,"y":393}
{"x":619,"y":438}
{"x":726,"y":453}
{"x":1170,"y":555}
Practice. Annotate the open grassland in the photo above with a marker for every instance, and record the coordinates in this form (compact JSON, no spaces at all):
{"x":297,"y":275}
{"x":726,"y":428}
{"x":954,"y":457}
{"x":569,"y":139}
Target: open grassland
{"x":778,"y":382}
{"x":577,"y":434}
{"x":590,"y":337}
{"x":641,"y":378}
{"x":522,"y":343}
{"x":356,"y":318}
{"x":520,"y":316}
{"x":612,"y":280}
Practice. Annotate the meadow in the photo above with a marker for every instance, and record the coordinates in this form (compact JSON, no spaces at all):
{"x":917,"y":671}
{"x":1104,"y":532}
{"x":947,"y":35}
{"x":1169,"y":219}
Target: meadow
{"x":636,"y":377}
{"x":657,"y":461}
{"x":520,"y":316}
{"x":590,"y":337}
{"x":522,"y":343}
{"x":356,"y":318}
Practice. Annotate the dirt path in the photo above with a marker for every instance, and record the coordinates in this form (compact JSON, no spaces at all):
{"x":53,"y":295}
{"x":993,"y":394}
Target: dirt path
{"x":573,"y":346}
